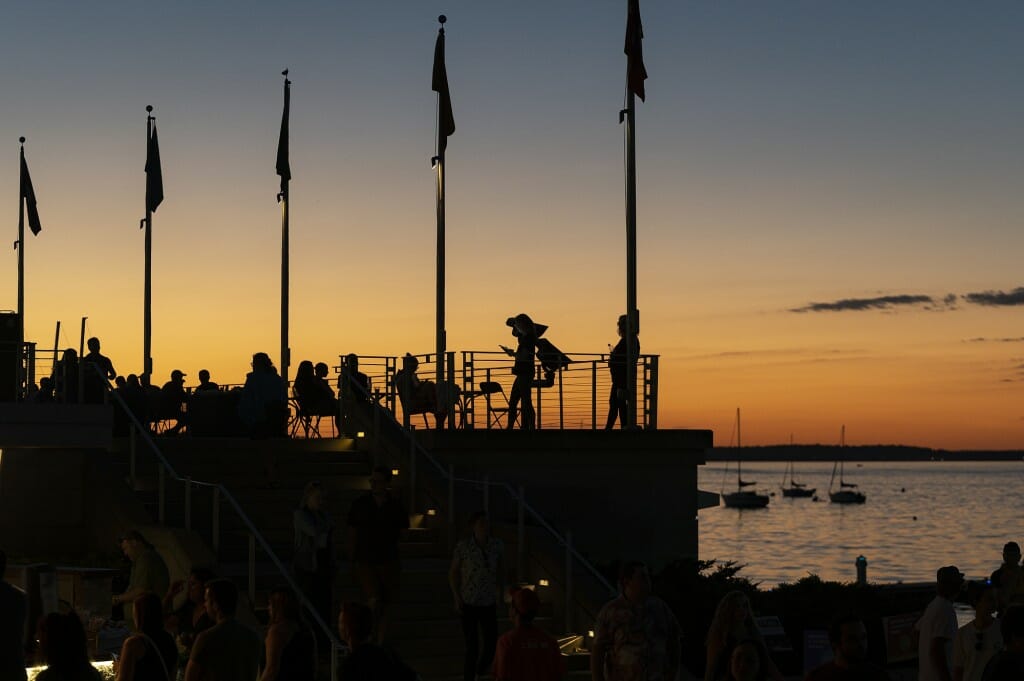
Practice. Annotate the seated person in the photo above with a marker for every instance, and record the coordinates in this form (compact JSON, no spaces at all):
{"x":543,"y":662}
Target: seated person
{"x":417,"y":397}
{"x":205,"y":383}
{"x":173,"y":398}
{"x":315,"y":397}
{"x":263,"y":406}
{"x":352,"y":380}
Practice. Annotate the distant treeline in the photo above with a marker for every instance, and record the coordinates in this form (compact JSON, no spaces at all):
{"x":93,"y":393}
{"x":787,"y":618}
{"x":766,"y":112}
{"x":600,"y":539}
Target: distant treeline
{"x":858,"y":453}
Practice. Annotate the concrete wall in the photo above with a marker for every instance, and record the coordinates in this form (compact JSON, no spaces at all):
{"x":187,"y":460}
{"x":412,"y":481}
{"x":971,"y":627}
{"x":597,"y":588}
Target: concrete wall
{"x":623,"y":494}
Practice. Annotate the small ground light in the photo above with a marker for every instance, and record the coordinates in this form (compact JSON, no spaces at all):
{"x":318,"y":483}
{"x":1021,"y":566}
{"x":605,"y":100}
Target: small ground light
{"x":394,"y":471}
{"x":590,"y":633}
{"x":431,"y":511}
{"x":360,"y":434}
{"x":542,"y":582}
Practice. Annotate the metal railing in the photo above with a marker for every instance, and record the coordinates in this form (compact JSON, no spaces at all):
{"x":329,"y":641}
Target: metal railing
{"x":517,"y":495}
{"x":167,"y":473}
{"x":577,"y":399}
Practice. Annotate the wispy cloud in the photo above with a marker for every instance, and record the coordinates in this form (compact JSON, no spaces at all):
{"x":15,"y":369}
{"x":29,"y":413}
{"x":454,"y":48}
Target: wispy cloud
{"x":982,"y":339}
{"x":879,"y":303}
{"x":997,"y":298}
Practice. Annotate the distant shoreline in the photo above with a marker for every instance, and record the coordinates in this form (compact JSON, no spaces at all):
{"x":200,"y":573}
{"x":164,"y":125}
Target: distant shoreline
{"x":858,"y":453}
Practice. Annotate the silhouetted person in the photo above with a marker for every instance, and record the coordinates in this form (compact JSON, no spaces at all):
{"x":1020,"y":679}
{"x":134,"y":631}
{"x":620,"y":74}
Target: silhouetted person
{"x":150,"y":653}
{"x":263,"y":407}
{"x":1008,"y":579}
{"x":291,"y":650}
{"x":65,"y":649}
{"x":313,"y":560}
{"x":45,"y":393}
{"x":1008,"y":665}
{"x":617,"y":364}
{"x":227,"y":651}
{"x":314,"y":395}
{"x":205,"y":384}
{"x":527,"y":653}
{"x":375,"y":521}
{"x":353,"y":388}
{"x":13,"y":617}
{"x":135,"y":397}
{"x":99,"y":371}
{"x":173,"y":401}
{"x":938,"y":627}
{"x":525,"y":331}
{"x":65,"y":376}
{"x":367,"y":661}
{"x":149,"y":571}
{"x":636,"y":636}
{"x":849,"y":640}
{"x":980,"y":639}
{"x":191,"y":619}
{"x":417,"y":396}
{"x":747,"y":662}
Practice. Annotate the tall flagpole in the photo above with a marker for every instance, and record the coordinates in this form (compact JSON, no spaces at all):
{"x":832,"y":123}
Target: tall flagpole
{"x":282,"y":198}
{"x":445,"y":127}
{"x":636,"y":73}
{"x":147,"y":286}
{"x":20,"y":245}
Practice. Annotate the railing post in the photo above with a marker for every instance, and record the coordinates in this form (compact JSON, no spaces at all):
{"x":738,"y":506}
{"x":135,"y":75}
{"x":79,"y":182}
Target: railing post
{"x":376,"y":426}
{"x":538,"y":404}
{"x":252,"y":568}
{"x":334,"y":662}
{"x":568,"y":582}
{"x":561,"y":402}
{"x":652,"y":405}
{"x":451,"y":508}
{"x":593,"y":394}
{"x":487,"y":494}
{"x":162,"y":495}
{"x":412,"y":475}
{"x":188,"y":503}
{"x":132,"y":443}
{"x":215,"y":531}
{"x":521,"y":537}
{"x":449,"y":393}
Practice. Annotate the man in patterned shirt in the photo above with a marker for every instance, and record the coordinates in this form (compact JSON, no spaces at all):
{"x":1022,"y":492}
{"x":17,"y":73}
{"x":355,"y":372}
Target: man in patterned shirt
{"x":476,"y":577}
{"x":636,"y":636}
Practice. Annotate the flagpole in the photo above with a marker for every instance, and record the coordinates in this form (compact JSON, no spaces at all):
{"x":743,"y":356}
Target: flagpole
{"x":20,"y":245}
{"x":440,"y":339}
{"x":147,"y":287}
{"x":636,"y":73}
{"x":282,"y":197}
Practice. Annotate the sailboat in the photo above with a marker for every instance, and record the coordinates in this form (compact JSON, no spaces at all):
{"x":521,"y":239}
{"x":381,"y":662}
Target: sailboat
{"x":847,"y":492}
{"x":794,"y":488}
{"x":742,"y":498}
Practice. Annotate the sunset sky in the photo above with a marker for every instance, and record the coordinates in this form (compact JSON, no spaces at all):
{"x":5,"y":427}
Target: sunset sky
{"x":829,"y":207}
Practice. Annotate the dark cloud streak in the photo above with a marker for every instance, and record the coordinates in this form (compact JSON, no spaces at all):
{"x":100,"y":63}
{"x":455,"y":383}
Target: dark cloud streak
{"x":997,"y":298}
{"x":860,"y":304}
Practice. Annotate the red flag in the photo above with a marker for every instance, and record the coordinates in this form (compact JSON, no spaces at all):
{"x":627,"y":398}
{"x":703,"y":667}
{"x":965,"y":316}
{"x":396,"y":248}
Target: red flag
{"x":439,"y":84}
{"x":636,"y":73}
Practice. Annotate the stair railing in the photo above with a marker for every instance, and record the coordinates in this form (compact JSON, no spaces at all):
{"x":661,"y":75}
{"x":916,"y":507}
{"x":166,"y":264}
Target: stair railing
{"x":166,"y":471}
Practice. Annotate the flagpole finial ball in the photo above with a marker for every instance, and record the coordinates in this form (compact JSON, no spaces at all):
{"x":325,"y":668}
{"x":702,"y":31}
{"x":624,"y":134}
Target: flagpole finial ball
{"x":442,"y":18}
{"x":21,"y":139}
{"x":149,"y":108}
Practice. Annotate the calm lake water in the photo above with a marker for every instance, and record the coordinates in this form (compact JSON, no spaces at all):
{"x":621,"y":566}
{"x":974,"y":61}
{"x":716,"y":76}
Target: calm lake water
{"x":951,"y":513}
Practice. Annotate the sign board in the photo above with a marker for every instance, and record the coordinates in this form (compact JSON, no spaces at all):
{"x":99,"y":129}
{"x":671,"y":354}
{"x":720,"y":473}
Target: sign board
{"x":817,"y":649}
{"x":774,"y":634}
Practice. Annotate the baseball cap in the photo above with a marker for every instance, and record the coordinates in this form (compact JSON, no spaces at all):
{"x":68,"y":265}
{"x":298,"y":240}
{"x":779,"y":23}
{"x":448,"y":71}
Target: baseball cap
{"x":525,"y":601}
{"x":949,"y":575}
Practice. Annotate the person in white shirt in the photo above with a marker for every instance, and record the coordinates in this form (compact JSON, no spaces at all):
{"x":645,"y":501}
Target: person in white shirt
{"x":938,"y":627}
{"x":978,"y":640}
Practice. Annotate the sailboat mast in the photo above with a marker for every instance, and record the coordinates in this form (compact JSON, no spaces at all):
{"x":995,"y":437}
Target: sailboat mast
{"x":739,"y":454}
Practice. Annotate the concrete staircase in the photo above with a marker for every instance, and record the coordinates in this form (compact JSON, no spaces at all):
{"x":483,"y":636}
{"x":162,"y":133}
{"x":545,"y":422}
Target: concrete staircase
{"x":425,"y":630}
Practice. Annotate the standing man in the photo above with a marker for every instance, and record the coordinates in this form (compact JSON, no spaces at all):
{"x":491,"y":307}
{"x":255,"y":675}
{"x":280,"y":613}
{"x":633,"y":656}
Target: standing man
{"x":98,"y":370}
{"x":849,"y":639}
{"x":375,"y":522}
{"x":636,"y":636}
{"x":938,"y":627}
{"x":526,"y":653}
{"x":229,"y":650}
{"x":1008,"y":579}
{"x":149,"y":572}
{"x":13,"y":614}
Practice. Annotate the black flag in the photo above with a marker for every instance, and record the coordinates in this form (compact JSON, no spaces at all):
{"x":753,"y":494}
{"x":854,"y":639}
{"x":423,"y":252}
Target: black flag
{"x":154,"y":174}
{"x":29,"y":195}
{"x":284,"y":169}
{"x":439,"y":84}
{"x":636,"y":73}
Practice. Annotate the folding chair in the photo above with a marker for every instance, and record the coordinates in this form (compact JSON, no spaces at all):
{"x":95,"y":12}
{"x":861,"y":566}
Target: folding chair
{"x":496,"y":411}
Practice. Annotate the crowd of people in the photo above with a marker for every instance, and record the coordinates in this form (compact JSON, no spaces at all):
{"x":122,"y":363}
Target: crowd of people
{"x":637,"y":637}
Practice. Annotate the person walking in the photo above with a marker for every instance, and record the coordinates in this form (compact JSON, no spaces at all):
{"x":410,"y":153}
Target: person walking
{"x":476,"y":577}
{"x":733,"y":622}
{"x":1008,"y":578}
{"x":291,"y":648}
{"x":980,"y":639}
{"x":636,"y":636}
{"x":227,"y":651}
{"x":149,"y":571}
{"x":617,"y":362}
{"x":313,"y":561}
